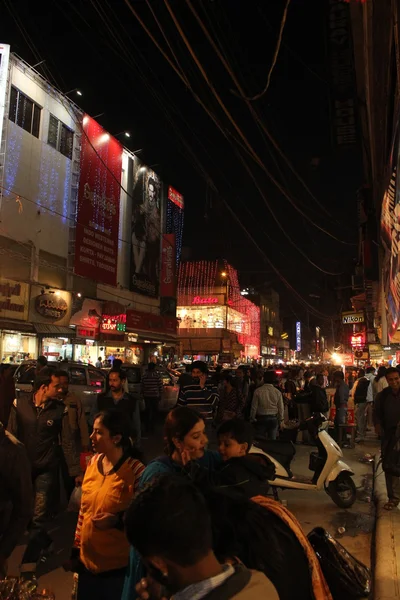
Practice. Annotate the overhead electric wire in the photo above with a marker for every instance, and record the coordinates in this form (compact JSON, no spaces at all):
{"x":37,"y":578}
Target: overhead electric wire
{"x":261,"y":124}
{"x":274,"y":58}
{"x":303,"y":301}
{"x":243,"y":137}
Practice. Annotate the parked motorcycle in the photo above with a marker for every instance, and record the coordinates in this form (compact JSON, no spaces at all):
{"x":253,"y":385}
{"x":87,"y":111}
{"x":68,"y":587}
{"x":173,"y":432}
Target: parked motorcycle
{"x":330,"y":471}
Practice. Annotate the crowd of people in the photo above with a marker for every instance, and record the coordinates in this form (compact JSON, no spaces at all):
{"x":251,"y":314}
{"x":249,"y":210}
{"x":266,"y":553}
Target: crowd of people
{"x":195,"y":522}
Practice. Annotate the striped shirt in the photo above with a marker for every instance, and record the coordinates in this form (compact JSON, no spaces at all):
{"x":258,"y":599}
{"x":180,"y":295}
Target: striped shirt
{"x":202,"y":399}
{"x":151,"y":385}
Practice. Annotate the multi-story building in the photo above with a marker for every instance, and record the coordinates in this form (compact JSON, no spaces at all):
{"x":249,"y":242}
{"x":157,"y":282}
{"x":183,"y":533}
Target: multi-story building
{"x":83,"y":222}
{"x":216,"y":323}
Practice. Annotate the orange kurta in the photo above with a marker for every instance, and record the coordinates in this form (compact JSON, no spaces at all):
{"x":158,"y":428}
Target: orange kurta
{"x":105,"y":550}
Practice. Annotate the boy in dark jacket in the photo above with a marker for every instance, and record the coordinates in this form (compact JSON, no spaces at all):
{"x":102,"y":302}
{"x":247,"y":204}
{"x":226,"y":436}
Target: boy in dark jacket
{"x":240,"y":471}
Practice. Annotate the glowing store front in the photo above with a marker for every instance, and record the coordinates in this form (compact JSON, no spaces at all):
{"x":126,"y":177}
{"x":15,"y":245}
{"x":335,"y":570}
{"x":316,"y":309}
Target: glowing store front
{"x":215,"y":320}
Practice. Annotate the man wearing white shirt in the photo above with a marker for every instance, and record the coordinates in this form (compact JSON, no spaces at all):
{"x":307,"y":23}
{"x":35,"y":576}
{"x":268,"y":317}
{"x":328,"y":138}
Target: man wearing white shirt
{"x":267,"y":408}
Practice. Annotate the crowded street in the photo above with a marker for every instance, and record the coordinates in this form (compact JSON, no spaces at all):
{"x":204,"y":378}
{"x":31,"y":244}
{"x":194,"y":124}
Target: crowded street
{"x":199,"y":300}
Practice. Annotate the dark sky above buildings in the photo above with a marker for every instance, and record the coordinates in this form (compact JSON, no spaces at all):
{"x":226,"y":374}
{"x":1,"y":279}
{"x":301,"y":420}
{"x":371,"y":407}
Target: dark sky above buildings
{"x":100,"y":47}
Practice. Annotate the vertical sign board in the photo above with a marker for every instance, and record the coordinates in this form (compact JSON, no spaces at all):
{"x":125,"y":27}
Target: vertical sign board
{"x":390,"y":236}
{"x":298,"y":336}
{"x":342,"y":74}
{"x":145,"y":231}
{"x":97,"y":225}
{"x":167,"y":283}
{"x":4,"y":62}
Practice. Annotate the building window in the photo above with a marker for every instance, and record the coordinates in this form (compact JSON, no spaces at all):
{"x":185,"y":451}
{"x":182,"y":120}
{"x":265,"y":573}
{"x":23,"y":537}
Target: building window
{"x":60,"y":136}
{"x":24,"y":112}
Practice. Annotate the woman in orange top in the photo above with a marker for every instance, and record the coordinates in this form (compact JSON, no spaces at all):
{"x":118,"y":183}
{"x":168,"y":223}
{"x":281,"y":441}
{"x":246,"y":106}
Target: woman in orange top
{"x":109,"y":485}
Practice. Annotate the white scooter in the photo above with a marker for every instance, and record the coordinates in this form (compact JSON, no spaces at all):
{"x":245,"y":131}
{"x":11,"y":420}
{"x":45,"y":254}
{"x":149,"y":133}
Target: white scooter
{"x":330,"y":471}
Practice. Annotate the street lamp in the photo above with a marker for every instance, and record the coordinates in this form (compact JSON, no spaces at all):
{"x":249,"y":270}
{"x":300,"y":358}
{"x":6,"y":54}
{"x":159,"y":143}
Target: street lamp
{"x":79,"y":93}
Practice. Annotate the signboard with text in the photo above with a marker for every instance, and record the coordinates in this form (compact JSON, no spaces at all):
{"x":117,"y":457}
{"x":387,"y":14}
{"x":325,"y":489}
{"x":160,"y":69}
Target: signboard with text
{"x":14,"y":300}
{"x":140,"y":321}
{"x":352,"y":318}
{"x":96,"y":246}
{"x":298,"y":336}
{"x":167,"y":283}
{"x":47,"y":306}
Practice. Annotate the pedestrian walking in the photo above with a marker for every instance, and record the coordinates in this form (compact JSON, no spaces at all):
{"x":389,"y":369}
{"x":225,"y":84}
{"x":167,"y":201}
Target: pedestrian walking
{"x":267,"y":411}
{"x":202,"y":396}
{"x":40,"y":421}
{"x":16,"y":497}
{"x":177,"y":547}
{"x":99,"y":363}
{"x":242,"y":383}
{"x":78,"y":425}
{"x":360,"y":394}
{"x":101,"y":550}
{"x":380,"y":382}
{"x":152,"y":390}
{"x":7,"y":391}
{"x":340,"y":400}
{"x":117,"y":398}
{"x":387,"y":426}
{"x":186,"y":377}
{"x":231,"y":403}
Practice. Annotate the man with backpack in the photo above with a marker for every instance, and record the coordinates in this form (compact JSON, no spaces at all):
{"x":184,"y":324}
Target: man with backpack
{"x":318,"y":398}
{"x":360,"y":395}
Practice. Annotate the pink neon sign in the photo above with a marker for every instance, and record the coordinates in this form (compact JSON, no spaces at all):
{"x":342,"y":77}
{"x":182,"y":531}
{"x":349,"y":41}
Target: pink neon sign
{"x":200,"y":300}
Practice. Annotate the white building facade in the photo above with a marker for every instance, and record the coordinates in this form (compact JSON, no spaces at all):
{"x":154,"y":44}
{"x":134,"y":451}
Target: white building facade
{"x":73,"y":203}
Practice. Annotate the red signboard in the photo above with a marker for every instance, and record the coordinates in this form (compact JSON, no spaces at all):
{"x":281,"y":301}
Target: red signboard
{"x":96,"y":246}
{"x":175,"y":197}
{"x":167,"y":284}
{"x":140,"y":321}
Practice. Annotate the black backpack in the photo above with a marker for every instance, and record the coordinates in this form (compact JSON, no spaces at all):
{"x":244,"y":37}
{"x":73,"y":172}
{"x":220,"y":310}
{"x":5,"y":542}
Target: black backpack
{"x":361,"y":390}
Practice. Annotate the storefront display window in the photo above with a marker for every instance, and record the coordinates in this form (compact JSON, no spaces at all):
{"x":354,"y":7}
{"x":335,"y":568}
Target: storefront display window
{"x":87,"y":353}
{"x":56,"y":348}
{"x":18,"y":346}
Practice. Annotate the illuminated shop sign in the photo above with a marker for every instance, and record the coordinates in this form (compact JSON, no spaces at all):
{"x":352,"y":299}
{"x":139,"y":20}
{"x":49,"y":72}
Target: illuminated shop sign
{"x":298,"y":336}
{"x":175,"y":197}
{"x":352,"y":318}
{"x":113,"y":323}
{"x":200,"y":300}
{"x":357,"y":340}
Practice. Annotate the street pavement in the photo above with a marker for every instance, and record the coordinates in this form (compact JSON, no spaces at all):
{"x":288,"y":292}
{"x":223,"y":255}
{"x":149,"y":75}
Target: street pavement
{"x":311,"y":508}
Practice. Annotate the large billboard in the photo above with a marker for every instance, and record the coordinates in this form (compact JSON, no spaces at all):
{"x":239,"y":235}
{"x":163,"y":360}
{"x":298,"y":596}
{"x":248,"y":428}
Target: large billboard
{"x":96,"y":245}
{"x":390,"y":228}
{"x":145,"y":231}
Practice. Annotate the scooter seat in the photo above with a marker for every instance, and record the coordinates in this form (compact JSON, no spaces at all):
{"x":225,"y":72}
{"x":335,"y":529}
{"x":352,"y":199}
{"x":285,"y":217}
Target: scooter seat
{"x":283,"y":452}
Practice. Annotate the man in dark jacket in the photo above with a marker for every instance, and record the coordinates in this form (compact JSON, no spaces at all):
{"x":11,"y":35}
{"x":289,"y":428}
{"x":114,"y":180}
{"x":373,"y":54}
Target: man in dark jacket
{"x":40,"y":421}
{"x":16,"y":499}
{"x":360,"y":393}
{"x":117,"y":398}
{"x":341,"y":400}
{"x":152,"y":390}
{"x":387,"y":421}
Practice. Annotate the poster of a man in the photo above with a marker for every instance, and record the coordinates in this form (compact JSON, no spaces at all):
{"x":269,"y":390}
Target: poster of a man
{"x":146,"y":226}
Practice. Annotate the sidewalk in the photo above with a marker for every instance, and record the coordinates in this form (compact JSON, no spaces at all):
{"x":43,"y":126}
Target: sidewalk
{"x":387,"y":542}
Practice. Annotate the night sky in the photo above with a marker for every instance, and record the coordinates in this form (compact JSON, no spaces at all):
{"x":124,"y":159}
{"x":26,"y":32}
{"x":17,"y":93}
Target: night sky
{"x":100,"y":47}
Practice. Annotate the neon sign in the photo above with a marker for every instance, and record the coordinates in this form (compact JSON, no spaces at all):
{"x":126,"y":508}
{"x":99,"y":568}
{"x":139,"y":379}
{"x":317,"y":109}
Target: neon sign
{"x":298,"y":336}
{"x":200,"y":300}
{"x":113,"y":323}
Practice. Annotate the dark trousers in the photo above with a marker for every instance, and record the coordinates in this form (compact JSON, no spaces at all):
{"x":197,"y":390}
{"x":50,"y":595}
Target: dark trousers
{"x":103,"y":586}
{"x":150,"y":413}
{"x":267,"y":425}
{"x":45,"y":486}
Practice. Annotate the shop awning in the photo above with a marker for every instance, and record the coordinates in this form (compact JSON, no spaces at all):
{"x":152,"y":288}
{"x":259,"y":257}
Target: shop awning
{"x":56,"y":330}
{"x":12,"y":325}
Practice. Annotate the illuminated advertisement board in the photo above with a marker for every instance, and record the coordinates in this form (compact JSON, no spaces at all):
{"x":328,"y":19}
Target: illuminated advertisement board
{"x":298,"y":336}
